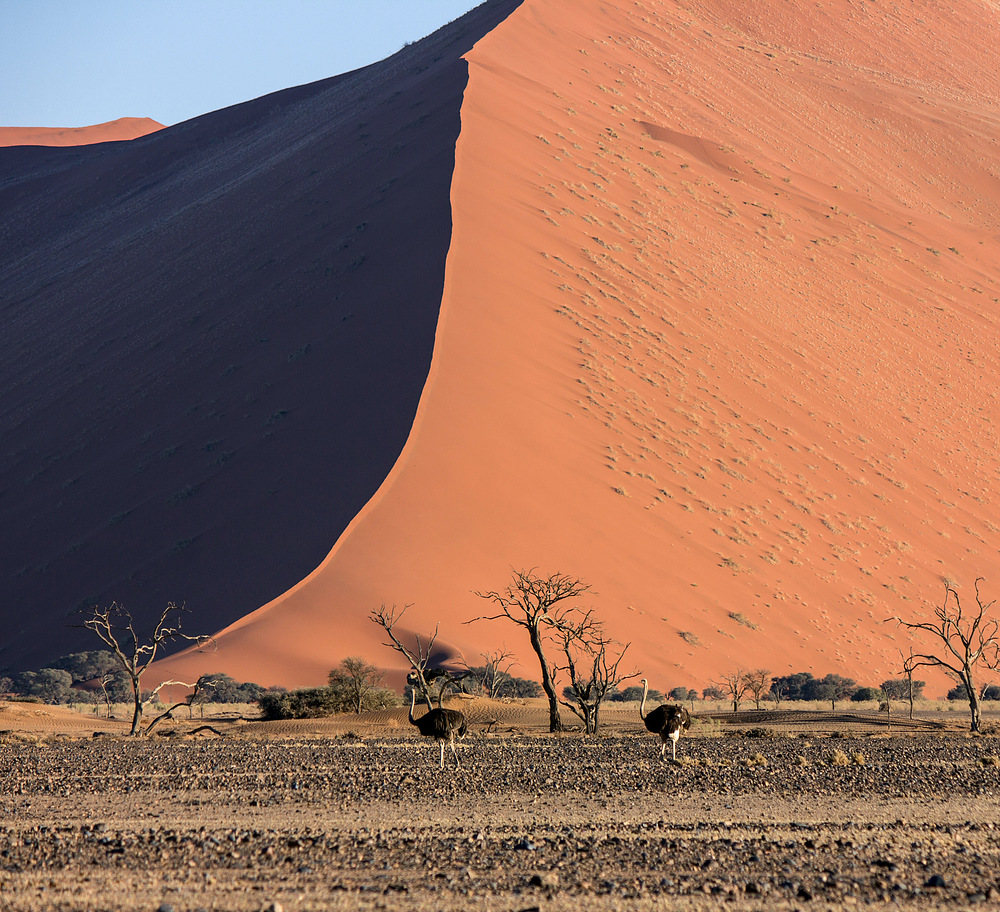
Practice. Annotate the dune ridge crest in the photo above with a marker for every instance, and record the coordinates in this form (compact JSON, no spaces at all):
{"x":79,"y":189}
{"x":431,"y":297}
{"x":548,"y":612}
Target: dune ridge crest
{"x":111,"y":131}
{"x":214,"y":342}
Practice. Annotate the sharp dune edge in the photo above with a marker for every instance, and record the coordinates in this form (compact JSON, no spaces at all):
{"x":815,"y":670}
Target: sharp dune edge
{"x":717,"y":334}
{"x":214,"y":342}
{"x":112,"y":131}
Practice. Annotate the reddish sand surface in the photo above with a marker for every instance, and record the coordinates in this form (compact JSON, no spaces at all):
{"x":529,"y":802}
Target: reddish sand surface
{"x":718,"y":336}
{"x":113,"y":130}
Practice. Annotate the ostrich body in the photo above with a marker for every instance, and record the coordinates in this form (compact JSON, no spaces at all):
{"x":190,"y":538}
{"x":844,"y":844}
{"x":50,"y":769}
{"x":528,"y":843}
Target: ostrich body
{"x":668,"y":720}
{"x":440,"y":724}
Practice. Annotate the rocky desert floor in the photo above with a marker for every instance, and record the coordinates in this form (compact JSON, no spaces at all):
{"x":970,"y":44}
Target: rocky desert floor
{"x":775,"y":810}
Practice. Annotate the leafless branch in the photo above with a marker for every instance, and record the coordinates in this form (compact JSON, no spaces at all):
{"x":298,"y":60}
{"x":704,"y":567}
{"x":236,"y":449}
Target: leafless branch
{"x":419,"y":656}
{"x":115,"y":627}
{"x":970,"y":639}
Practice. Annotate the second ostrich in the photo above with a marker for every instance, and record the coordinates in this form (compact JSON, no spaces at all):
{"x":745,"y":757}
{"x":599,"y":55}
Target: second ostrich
{"x":444,"y":725}
{"x":668,"y":720}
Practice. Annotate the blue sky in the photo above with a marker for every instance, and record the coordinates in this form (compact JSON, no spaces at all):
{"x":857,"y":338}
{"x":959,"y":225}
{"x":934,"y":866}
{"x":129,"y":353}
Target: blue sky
{"x":71,"y":63}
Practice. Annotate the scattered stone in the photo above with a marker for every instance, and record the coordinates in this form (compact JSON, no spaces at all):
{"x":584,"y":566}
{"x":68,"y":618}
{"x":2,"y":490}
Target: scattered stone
{"x":547,"y":879}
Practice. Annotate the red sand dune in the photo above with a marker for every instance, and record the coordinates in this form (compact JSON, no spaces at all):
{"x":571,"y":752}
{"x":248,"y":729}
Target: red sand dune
{"x":718,"y":335}
{"x":112,"y":131}
{"x":715,"y":303}
{"x":213,"y":342}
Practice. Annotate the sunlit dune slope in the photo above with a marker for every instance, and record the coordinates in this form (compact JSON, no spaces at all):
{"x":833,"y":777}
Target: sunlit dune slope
{"x":213,"y":342}
{"x":112,"y":131}
{"x":718,"y":336}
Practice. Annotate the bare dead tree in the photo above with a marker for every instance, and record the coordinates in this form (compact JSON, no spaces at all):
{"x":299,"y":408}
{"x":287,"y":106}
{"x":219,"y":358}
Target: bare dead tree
{"x":499,"y":662}
{"x":592,"y":664}
{"x":535,"y":603}
{"x":886,"y":707}
{"x":430,"y":682}
{"x":199,"y":688}
{"x":735,"y":685}
{"x":758,"y":683}
{"x":116,"y":629}
{"x":104,"y":680}
{"x":908,"y":671}
{"x":970,"y":640}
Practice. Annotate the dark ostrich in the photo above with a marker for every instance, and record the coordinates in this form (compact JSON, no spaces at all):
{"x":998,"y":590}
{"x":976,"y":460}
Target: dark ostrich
{"x":441,"y":724}
{"x":668,"y":720}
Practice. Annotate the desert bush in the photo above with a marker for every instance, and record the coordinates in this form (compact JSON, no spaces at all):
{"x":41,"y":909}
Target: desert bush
{"x":50,"y":685}
{"x":899,"y":689}
{"x":867,"y":695}
{"x":355,"y":687}
{"x":317,"y":702}
{"x":88,"y":665}
{"x":705,"y":727}
{"x":220,"y":688}
{"x":958,"y":692}
{"x":803,"y":686}
{"x":793,"y":686}
{"x":305,"y":703}
{"x":837,"y":758}
{"x":509,"y":686}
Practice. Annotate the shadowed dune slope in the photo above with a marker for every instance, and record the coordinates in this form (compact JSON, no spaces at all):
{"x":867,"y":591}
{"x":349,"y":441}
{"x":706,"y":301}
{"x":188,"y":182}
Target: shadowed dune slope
{"x":718,"y":335}
{"x":113,"y":130}
{"x":214,"y":341}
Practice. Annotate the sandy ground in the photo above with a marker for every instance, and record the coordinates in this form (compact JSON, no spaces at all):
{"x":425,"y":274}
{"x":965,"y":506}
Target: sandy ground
{"x":354,"y":813}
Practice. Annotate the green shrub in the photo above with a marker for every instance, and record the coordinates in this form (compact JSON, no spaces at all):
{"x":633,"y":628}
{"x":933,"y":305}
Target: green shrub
{"x":316,"y":702}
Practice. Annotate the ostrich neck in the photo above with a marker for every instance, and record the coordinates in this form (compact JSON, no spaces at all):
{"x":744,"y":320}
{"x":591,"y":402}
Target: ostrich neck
{"x":642,"y":702}
{"x":413,"y":700}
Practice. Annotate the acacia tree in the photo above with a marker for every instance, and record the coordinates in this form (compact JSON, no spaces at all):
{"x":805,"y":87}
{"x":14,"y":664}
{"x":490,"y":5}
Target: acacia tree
{"x":592,"y":669}
{"x":357,"y":680}
{"x":536,"y":603}
{"x":970,"y":639}
{"x":834,"y":688}
{"x":116,"y":629}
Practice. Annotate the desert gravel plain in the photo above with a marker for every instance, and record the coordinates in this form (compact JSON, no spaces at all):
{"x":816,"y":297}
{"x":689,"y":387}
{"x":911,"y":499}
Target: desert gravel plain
{"x":775,"y":810}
